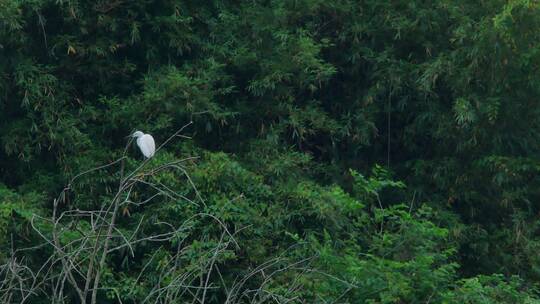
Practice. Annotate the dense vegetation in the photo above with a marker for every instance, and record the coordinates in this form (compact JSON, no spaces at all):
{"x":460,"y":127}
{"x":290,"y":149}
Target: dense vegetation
{"x":346,"y":151}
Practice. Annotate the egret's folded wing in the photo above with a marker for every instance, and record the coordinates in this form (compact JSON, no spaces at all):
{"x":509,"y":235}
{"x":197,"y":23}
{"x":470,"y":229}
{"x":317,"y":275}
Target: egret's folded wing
{"x":147,"y":145}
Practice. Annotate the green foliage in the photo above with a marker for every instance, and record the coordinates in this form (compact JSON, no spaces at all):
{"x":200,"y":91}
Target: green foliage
{"x":294,"y":107}
{"x":489,"y":289}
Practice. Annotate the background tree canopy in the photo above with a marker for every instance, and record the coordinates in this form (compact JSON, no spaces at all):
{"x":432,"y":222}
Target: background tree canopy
{"x":342,"y":151}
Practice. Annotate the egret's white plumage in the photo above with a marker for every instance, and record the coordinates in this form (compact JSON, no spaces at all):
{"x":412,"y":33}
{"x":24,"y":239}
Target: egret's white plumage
{"x":146,"y":143}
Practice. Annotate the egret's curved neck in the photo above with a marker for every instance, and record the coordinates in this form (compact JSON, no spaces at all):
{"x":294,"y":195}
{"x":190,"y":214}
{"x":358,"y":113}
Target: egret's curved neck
{"x":138,"y":134}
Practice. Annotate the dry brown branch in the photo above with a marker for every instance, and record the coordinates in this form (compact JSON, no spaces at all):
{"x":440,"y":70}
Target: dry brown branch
{"x":82,"y":242}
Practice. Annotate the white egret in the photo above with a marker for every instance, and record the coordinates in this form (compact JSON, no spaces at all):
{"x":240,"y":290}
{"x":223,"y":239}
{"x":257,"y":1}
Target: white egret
{"x":146,"y":143}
